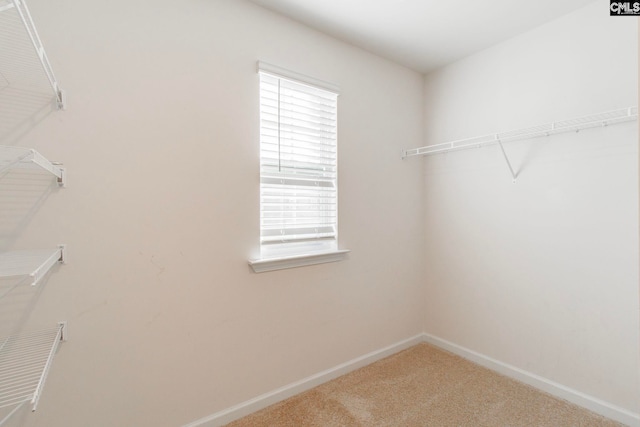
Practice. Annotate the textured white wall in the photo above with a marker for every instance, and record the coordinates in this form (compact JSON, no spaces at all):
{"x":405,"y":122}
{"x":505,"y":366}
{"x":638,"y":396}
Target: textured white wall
{"x":541,"y":274}
{"x":167,"y":322}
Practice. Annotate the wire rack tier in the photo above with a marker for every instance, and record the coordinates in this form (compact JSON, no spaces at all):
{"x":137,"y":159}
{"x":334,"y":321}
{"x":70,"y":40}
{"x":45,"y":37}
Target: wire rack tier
{"x":34,"y":263}
{"x":25,"y":360}
{"x":20,"y":157}
{"x":24,"y":65}
{"x":547,"y":129}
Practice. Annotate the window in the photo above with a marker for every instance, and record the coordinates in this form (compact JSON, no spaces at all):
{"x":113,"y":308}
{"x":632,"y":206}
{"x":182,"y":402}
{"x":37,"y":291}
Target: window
{"x":298,"y":165}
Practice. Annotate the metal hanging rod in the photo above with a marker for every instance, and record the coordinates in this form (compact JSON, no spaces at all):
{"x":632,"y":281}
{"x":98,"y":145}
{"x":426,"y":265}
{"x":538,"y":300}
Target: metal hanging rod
{"x":577,"y":124}
{"x":22,"y":11}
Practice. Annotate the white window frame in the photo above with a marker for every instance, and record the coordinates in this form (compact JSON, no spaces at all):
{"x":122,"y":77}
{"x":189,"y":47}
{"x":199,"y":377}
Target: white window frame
{"x":321,"y":245}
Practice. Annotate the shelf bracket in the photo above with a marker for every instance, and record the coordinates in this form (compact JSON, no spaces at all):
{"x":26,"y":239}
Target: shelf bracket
{"x":57,"y":257}
{"x":31,"y":156}
{"x":54,"y":168}
{"x":30,"y":265}
{"x":63,"y":330}
{"x":514,"y":176}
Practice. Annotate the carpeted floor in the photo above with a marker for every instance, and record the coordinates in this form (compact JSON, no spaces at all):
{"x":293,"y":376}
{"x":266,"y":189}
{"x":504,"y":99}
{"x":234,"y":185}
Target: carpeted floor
{"x":423,"y":387}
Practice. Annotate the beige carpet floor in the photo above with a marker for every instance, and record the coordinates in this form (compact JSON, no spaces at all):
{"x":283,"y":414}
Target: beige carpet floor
{"x":423,"y":386}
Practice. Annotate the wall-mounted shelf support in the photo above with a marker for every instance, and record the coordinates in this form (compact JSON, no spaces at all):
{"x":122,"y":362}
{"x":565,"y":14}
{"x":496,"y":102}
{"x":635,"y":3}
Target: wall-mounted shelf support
{"x":595,"y":120}
{"x":23,"y":12}
{"x":11,"y":157}
{"x":32,"y":263}
{"x":25,"y":361}
{"x":506,"y":158}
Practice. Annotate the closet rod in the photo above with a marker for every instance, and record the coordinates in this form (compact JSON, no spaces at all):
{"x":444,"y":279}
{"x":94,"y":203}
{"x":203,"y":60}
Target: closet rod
{"x":577,"y":124}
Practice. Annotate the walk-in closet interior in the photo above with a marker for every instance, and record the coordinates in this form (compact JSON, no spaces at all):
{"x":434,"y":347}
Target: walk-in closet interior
{"x":481,"y":197}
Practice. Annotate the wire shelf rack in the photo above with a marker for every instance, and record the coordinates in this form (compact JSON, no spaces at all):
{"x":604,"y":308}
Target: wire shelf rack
{"x":28,"y":91}
{"x":25,"y":360}
{"x":576,"y":124}
{"x":34,"y":264}
{"x":25,"y":64}
{"x":19,"y":157}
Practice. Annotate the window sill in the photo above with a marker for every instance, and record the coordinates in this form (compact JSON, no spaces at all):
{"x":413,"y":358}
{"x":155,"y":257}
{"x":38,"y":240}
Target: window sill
{"x":280,"y":263}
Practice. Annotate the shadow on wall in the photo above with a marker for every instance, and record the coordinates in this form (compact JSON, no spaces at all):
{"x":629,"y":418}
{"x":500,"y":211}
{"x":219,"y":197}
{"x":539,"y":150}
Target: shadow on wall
{"x":21,"y":110}
{"x":18,"y":298}
{"x":22,"y":193}
{"x":18,"y":419}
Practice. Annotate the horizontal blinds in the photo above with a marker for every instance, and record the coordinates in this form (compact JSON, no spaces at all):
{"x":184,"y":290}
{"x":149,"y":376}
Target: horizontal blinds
{"x":298,"y":161}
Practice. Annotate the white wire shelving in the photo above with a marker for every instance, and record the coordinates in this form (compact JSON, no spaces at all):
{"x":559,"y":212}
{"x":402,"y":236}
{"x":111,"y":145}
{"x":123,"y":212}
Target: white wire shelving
{"x":606,"y":118}
{"x":25,"y":63}
{"x":29,"y":90}
{"x":25,"y":360}
{"x":34,"y":263}
{"x":547,"y":129}
{"x":19,"y":157}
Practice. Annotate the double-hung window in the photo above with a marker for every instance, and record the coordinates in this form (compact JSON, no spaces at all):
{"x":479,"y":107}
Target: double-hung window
{"x":298,"y":166}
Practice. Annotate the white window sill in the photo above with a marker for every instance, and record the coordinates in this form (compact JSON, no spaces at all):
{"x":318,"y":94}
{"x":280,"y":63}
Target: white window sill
{"x":280,"y":263}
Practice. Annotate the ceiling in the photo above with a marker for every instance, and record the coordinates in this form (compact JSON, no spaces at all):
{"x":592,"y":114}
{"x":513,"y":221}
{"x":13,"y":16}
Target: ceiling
{"x":423,"y":34}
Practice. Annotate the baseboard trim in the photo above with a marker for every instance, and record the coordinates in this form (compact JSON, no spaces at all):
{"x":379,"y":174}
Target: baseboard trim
{"x":555,"y":389}
{"x":591,"y":403}
{"x":245,"y":408}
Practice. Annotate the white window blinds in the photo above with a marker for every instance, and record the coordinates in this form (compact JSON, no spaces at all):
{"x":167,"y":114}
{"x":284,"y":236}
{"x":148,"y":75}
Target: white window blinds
{"x":298,"y":162}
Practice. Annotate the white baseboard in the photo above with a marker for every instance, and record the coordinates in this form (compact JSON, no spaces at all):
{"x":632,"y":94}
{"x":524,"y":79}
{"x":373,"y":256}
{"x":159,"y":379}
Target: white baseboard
{"x":238,"y":411}
{"x":558,"y":390}
{"x":589,"y":402}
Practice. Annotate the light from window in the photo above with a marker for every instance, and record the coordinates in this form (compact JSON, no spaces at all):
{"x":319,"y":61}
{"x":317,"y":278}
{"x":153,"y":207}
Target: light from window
{"x":298,"y":167}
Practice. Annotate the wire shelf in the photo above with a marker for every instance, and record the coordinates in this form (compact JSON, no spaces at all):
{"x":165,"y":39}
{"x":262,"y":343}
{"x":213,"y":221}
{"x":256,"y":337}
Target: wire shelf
{"x":595,"y":120}
{"x":28,"y":90}
{"x":19,"y":157}
{"x":25,"y":361}
{"x":23,"y":62}
{"x":32,"y":263}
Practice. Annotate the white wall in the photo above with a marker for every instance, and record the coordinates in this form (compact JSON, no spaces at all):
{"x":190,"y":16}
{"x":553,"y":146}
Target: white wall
{"x":167,"y":323}
{"x":541,"y":274}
